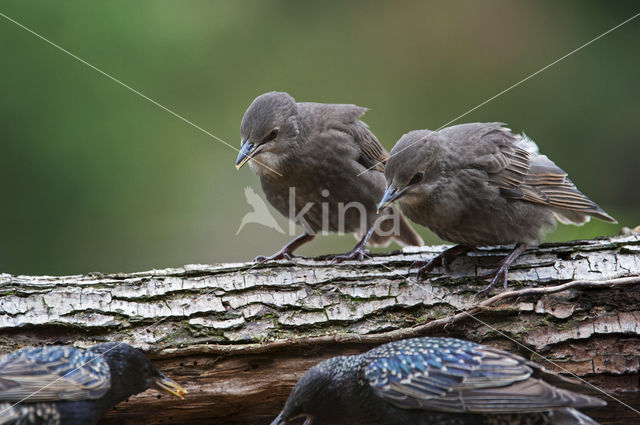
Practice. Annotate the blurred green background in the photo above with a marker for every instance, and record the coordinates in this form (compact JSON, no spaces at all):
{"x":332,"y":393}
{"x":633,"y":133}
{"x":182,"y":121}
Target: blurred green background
{"x":96,"y":178}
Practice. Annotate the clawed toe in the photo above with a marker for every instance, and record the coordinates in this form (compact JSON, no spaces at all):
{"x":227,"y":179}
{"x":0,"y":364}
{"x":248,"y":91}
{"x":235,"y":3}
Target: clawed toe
{"x":501,"y":274}
{"x":426,"y":266}
{"x":418,"y":263}
{"x":356,"y":254}
{"x":278,"y":256}
{"x":443,"y":259}
{"x":423,"y":271}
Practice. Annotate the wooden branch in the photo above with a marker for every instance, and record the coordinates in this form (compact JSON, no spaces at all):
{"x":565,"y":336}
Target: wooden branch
{"x":238,"y":336}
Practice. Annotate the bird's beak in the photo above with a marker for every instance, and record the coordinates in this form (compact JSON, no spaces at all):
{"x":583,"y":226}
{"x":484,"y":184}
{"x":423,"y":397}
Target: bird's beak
{"x":247,"y":151}
{"x":391,"y":194}
{"x":168,"y":385}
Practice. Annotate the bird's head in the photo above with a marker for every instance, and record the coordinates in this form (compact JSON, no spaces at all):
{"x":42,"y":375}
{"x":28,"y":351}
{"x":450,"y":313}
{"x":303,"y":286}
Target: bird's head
{"x":316,"y":396}
{"x":268,"y":132}
{"x":132,"y":372}
{"x":410,"y":168}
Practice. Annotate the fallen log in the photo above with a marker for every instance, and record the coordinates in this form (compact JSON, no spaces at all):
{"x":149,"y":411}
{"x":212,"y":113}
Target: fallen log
{"x":238,"y":336}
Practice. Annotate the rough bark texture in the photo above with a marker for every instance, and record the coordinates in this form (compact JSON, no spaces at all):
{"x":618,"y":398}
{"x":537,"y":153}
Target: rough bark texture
{"x":239,"y":336}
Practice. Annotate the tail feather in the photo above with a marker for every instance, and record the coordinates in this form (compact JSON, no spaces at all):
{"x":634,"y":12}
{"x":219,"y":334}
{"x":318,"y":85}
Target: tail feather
{"x":571,"y":217}
{"x":547,"y":184}
{"x":566,"y":216}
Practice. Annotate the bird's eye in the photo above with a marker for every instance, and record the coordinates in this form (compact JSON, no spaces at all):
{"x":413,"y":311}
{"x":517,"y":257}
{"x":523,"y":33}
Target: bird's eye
{"x":272,"y":135}
{"x":416,"y":178}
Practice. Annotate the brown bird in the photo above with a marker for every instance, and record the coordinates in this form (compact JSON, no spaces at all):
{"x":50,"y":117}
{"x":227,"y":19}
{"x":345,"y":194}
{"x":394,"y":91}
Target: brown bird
{"x":322,"y":168}
{"x":480,"y":184}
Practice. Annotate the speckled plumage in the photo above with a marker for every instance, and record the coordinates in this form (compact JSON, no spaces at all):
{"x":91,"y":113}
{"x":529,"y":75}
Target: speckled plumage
{"x":480,"y":184}
{"x":434,"y":381}
{"x":63,"y":385}
{"x":323,"y":152}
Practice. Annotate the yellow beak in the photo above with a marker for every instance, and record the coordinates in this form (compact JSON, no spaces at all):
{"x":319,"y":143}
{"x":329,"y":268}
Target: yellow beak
{"x":170,"y":386}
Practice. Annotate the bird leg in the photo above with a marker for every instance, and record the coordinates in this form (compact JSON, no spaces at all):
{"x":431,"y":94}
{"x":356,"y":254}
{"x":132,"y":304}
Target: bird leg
{"x":358,"y":252}
{"x":286,"y":253}
{"x":502,"y":271}
{"x":443,"y":259}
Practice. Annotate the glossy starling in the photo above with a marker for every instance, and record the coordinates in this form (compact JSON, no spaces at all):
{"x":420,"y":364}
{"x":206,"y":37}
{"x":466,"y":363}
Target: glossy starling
{"x":442,"y":381}
{"x":480,"y":184}
{"x":322,"y":168}
{"x":62,"y":385}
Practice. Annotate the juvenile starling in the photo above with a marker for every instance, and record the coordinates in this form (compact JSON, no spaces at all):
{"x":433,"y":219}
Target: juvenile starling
{"x":480,"y":184}
{"x":442,"y":381}
{"x":313,"y":161}
{"x":62,"y":385}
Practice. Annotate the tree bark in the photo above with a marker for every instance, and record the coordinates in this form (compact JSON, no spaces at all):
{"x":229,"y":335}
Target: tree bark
{"x":239,"y":336}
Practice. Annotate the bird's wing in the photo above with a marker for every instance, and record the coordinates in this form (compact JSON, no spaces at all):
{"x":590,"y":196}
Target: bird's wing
{"x":53,"y":373}
{"x":513,"y":164}
{"x":450,"y":375}
{"x":346,"y":119}
{"x":372,"y":152}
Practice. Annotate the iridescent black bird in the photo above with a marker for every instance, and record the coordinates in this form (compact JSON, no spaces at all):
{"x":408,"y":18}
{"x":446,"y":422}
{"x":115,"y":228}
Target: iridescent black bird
{"x":321,"y":167}
{"x":480,"y":184}
{"x":62,"y":385}
{"x":443,"y":381}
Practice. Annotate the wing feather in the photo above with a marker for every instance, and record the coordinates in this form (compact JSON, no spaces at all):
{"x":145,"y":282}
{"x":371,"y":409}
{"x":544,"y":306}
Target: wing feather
{"x":346,"y":119}
{"x":372,"y":151}
{"x":515,"y":166}
{"x":53,"y":373}
{"x":449,"y":375}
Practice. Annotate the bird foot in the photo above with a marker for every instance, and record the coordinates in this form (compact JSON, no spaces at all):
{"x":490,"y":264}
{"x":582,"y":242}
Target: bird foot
{"x":357,"y":253}
{"x":426,"y":266}
{"x":281,"y":255}
{"x":500,"y":274}
{"x":443,"y":259}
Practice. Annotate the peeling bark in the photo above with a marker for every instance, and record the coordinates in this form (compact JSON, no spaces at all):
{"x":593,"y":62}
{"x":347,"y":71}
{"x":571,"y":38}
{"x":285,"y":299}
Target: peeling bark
{"x":238,"y":336}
